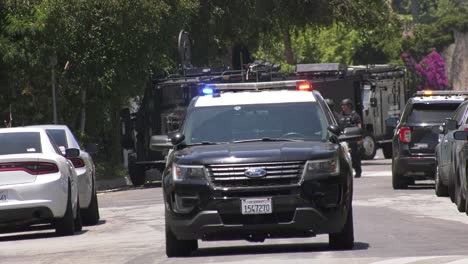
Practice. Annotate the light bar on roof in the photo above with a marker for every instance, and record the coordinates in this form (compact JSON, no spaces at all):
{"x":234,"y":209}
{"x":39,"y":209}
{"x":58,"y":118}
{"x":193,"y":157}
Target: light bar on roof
{"x":431,"y":93}
{"x":296,"y":84}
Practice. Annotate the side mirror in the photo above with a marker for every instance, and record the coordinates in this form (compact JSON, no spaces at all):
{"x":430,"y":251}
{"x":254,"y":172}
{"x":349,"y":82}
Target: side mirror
{"x":177,"y":138}
{"x":460,"y":135}
{"x":373,"y":102}
{"x":91,"y":148}
{"x":334,"y":129}
{"x":72,"y":153}
{"x":160,"y":142}
{"x":450,"y":124}
{"x":351,"y":134}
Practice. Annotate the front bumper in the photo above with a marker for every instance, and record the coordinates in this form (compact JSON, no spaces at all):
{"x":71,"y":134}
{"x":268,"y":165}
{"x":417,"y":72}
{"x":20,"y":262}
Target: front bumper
{"x":315,"y":207}
{"x":304,"y":222}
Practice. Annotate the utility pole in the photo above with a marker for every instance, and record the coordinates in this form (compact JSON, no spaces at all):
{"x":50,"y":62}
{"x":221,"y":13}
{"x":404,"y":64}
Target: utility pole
{"x":53,"y":62}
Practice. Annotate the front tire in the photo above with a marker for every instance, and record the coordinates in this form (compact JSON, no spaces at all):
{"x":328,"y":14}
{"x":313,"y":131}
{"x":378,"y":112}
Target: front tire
{"x":369,"y":147}
{"x":387,"y":150}
{"x":178,"y":248}
{"x":440,"y":189}
{"x":345,"y":239}
{"x":91,"y":214}
{"x":451,"y":186}
{"x":137,"y":175}
{"x":459,"y":199}
{"x":78,"y":219}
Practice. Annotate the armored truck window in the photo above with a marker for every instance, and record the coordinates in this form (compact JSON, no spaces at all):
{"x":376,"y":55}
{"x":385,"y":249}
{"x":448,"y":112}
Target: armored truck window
{"x":427,"y":113}
{"x":302,"y":121}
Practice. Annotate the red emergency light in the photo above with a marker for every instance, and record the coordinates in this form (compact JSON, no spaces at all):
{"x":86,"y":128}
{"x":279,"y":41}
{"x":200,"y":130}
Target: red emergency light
{"x":304,"y":86}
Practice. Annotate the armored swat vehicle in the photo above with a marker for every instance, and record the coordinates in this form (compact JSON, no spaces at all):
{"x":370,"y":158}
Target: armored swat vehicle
{"x":379,"y":93}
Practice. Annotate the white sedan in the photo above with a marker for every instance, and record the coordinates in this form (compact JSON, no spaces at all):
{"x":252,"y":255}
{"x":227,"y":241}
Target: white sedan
{"x":85,"y":170}
{"x":37,"y":183}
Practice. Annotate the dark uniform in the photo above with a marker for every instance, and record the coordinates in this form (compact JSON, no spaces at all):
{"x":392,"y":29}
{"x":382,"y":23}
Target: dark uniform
{"x":353,"y":120}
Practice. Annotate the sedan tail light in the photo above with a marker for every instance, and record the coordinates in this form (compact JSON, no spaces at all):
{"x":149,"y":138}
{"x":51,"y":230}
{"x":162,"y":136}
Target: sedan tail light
{"x":77,"y":162}
{"x":405,"y":134}
{"x":34,"y":168}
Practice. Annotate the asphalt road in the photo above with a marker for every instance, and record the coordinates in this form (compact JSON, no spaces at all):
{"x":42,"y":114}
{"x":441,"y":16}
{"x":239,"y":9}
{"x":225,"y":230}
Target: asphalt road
{"x":408,"y":226}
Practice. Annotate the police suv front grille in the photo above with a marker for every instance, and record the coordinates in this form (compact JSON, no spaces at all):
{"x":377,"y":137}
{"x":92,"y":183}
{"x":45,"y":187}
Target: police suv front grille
{"x":277,"y":174}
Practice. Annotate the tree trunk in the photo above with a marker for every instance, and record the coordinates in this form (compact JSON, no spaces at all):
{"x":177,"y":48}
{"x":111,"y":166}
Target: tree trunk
{"x":288,"y":52}
{"x":83,"y":111}
{"x":415,"y":11}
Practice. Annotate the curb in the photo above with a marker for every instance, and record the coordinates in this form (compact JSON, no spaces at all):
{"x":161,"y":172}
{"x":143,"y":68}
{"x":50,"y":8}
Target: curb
{"x":103,"y":185}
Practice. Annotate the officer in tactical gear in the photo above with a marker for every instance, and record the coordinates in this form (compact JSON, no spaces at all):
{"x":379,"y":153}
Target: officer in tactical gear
{"x":349,"y":118}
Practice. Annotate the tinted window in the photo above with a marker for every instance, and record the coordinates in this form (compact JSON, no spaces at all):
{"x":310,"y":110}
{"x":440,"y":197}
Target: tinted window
{"x":431,"y":112}
{"x":20,"y":142}
{"x":59,"y":137}
{"x":303,"y":121}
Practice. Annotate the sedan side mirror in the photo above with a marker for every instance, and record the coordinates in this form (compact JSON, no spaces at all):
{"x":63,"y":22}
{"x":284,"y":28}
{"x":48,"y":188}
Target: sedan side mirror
{"x":72,"y":153}
{"x":460,"y":135}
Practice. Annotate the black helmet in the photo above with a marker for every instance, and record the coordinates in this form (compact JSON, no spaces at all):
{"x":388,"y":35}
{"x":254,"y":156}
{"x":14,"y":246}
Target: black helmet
{"x":347,"y":101}
{"x":330,"y":102}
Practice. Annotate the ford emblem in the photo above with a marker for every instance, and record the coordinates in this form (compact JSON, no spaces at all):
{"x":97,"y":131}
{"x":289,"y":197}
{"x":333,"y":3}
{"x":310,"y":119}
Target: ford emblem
{"x":255,"y":173}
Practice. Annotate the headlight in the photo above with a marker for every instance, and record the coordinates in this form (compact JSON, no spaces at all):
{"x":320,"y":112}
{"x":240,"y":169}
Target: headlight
{"x":322,"y":167}
{"x":180,"y":172}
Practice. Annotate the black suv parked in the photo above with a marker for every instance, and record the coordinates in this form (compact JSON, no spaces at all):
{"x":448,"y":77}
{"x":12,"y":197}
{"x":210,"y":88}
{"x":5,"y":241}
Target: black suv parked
{"x":256,"y":161}
{"x":416,"y":135}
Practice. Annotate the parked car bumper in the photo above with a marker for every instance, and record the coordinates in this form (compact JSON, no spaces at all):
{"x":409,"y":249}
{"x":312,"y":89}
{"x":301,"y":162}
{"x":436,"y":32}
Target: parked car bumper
{"x":44,"y":198}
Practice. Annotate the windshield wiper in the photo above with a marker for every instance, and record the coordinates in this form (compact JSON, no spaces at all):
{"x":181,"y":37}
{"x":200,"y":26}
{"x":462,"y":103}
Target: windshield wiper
{"x":267,"y":139}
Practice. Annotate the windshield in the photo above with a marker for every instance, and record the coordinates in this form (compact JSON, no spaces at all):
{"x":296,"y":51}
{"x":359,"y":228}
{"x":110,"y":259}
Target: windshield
{"x":435,"y":113}
{"x":298,"y":121}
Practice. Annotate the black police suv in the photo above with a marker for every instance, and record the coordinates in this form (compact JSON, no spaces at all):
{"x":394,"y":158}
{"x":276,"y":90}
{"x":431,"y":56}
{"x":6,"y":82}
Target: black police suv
{"x":257,"y":161}
{"x":416,"y":135}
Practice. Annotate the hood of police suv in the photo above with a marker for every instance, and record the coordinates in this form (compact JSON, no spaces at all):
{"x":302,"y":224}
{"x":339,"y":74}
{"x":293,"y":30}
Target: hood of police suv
{"x":253,"y":152}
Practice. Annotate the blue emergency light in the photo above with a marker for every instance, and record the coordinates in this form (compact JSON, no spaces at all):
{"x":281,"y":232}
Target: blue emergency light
{"x":207,"y":90}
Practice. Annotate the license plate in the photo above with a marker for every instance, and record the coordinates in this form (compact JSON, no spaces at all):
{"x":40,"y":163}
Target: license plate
{"x":257,"y":206}
{"x":3,"y":196}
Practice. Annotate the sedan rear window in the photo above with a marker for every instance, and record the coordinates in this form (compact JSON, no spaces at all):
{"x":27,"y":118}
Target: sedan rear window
{"x":431,"y":113}
{"x":20,"y":142}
